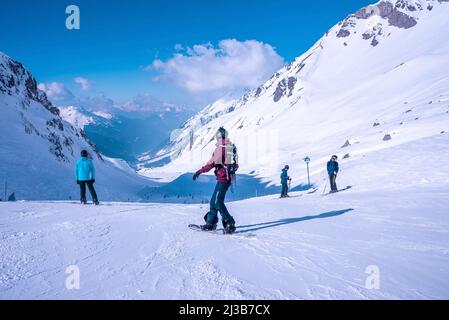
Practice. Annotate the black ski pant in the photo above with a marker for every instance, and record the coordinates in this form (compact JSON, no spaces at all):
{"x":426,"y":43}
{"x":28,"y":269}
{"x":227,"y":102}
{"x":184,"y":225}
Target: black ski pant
{"x":284,"y":191}
{"x":333,"y":183}
{"x":90,"y":185}
{"x":217,"y":205}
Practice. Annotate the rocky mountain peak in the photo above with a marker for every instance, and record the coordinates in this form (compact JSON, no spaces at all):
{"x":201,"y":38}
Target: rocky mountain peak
{"x":400,"y":14}
{"x":16,"y":80}
{"x":17,"y":83}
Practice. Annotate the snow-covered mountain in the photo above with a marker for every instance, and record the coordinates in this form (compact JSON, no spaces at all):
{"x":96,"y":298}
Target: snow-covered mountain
{"x":120,"y":130}
{"x":76,"y":118}
{"x":375,"y":80}
{"x":39,"y":149}
{"x":380,"y":98}
{"x":127,"y":136}
{"x":183,"y":136}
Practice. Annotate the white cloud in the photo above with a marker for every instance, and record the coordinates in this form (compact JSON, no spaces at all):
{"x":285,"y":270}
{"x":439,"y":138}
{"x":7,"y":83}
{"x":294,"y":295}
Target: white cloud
{"x":103,"y":114}
{"x":102,"y":105}
{"x":179,"y":47}
{"x":62,"y":97}
{"x":98,"y":102}
{"x":232,"y":65}
{"x":147,"y":103}
{"x":56,"y":91}
{"x":86,"y":85}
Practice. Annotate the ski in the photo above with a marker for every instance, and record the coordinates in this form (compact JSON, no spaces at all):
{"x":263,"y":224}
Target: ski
{"x":341,"y":190}
{"x":313,"y":191}
{"x":300,"y":195}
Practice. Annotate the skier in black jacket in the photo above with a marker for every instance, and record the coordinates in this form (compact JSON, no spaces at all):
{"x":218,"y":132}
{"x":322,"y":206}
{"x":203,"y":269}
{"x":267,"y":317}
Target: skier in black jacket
{"x":332,"y":170}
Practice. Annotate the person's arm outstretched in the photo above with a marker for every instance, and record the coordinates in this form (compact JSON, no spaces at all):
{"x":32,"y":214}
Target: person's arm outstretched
{"x":209,"y":166}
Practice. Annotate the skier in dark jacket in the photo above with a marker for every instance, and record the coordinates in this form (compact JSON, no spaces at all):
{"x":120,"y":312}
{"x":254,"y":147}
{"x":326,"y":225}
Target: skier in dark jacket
{"x":332,"y":170}
{"x":284,"y":182}
{"x":12,"y":197}
{"x":85,"y":175}
{"x":218,"y":162}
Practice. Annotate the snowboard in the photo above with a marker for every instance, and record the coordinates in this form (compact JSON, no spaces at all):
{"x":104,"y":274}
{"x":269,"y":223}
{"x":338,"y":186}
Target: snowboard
{"x":196,"y":227}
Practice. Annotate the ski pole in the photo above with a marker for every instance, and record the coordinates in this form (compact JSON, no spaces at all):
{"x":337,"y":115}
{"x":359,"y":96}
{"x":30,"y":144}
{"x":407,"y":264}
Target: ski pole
{"x":325,"y":186}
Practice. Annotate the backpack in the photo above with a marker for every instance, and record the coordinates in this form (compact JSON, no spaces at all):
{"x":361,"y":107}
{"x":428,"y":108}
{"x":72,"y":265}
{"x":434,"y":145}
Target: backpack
{"x":230,"y":160}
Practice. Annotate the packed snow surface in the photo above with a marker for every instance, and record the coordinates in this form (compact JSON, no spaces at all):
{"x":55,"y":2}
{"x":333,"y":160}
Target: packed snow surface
{"x":393,"y":220}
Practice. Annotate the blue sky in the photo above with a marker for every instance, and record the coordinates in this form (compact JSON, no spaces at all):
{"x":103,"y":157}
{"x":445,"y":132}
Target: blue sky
{"x":118,"y":39}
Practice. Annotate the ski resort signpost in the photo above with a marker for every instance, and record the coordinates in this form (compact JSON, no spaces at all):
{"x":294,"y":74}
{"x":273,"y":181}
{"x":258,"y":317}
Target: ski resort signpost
{"x":307,"y":160}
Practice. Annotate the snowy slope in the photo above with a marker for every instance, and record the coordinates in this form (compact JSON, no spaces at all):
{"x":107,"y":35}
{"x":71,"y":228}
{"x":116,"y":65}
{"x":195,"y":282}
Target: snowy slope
{"x":186,"y":136}
{"x":376,"y":80}
{"x":39,"y":149}
{"x":76,"y":118}
{"x":394,"y":220}
{"x":81,"y":118}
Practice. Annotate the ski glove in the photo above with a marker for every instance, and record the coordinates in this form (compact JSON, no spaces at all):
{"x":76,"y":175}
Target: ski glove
{"x":196,"y":175}
{"x":93,"y":180}
{"x":77,"y":182}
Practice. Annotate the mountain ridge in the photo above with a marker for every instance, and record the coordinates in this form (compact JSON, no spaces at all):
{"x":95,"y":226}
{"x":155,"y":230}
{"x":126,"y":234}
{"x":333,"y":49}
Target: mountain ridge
{"x":39,"y":149}
{"x":337,"y":75}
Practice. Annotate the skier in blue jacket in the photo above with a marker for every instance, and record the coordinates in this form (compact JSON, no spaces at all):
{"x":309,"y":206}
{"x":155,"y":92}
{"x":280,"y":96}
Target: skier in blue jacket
{"x":332,"y":170}
{"x":85,"y":175}
{"x":12,"y":197}
{"x":284,"y":182}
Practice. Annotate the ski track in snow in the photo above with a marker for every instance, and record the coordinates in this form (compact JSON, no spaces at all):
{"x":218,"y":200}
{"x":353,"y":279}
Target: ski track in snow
{"x":131,"y":251}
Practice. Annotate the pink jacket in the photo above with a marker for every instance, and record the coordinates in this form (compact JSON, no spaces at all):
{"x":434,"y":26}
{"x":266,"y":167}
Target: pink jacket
{"x":217,"y":160}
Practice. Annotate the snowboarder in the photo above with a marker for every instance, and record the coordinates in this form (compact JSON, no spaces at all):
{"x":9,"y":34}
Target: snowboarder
{"x":332,"y":170}
{"x":85,"y":175}
{"x":224,"y":162}
{"x":12,"y":197}
{"x":284,"y":181}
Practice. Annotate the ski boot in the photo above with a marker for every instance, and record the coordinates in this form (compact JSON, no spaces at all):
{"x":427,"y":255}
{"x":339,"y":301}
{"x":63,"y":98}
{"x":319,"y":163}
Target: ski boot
{"x":96,"y":202}
{"x":229,"y":229}
{"x":83,"y":201}
{"x":208,"y":227}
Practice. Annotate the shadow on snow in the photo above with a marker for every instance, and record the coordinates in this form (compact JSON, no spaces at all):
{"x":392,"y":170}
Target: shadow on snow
{"x":185,"y":190}
{"x":273,"y":224}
